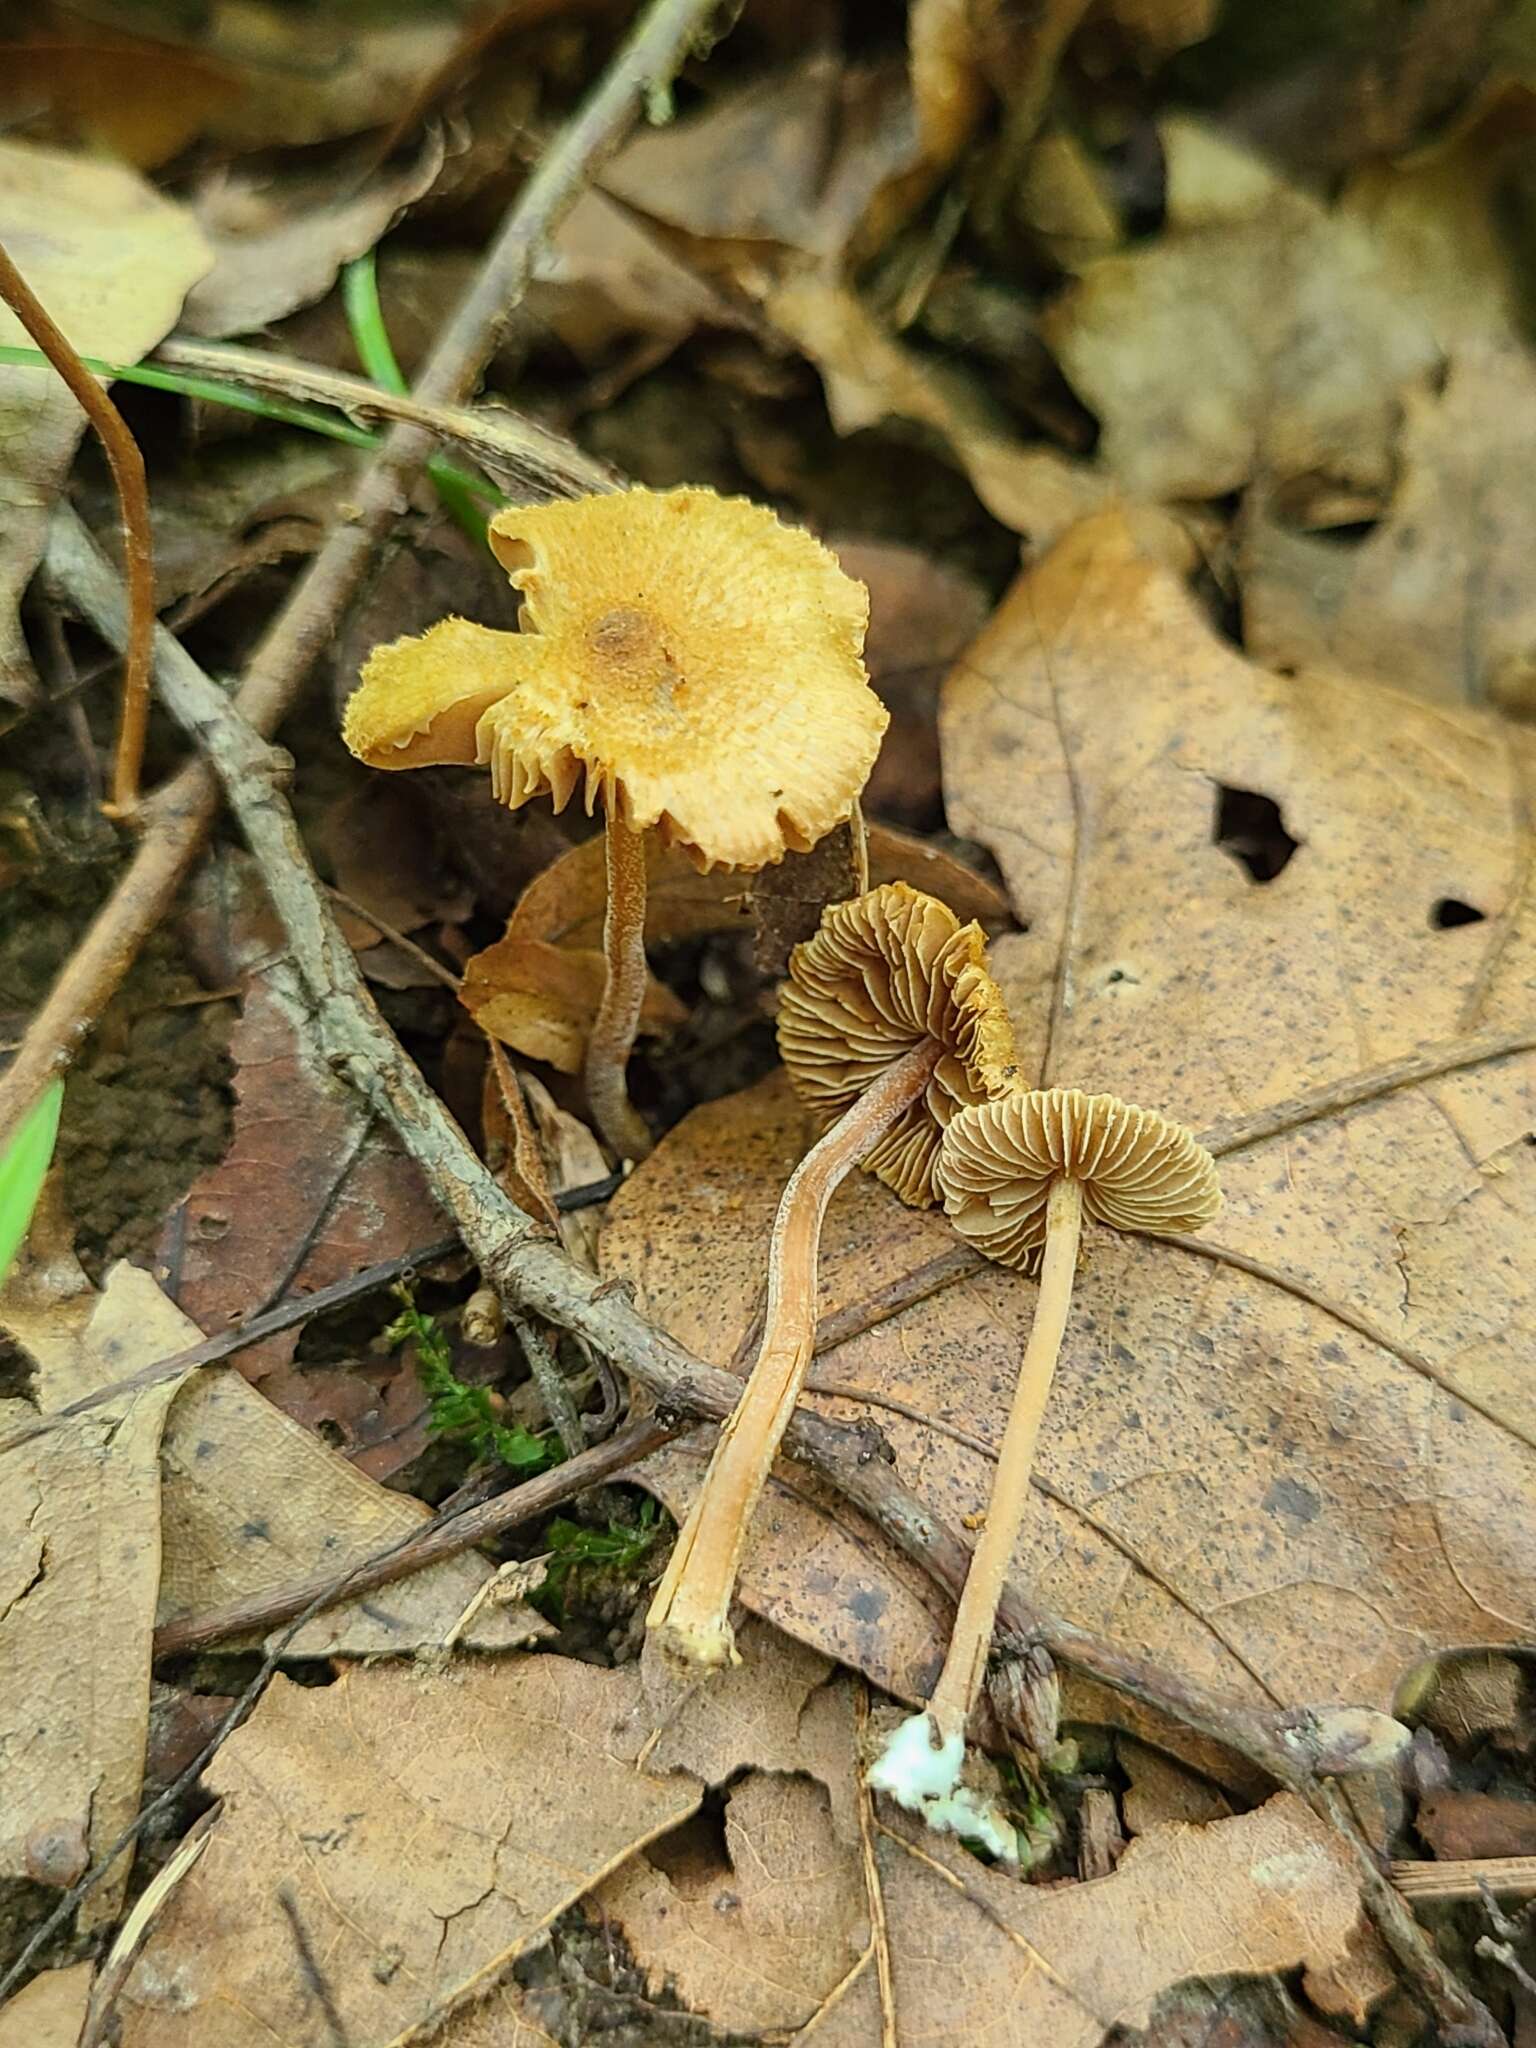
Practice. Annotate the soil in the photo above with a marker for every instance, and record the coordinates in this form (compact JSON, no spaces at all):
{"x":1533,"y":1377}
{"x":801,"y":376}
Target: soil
{"x":148,"y":1104}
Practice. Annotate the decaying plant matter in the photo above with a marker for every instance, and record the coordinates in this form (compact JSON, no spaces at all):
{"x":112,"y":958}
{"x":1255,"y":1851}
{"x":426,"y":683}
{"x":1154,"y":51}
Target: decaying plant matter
{"x":889,"y":1024}
{"x":685,"y":661}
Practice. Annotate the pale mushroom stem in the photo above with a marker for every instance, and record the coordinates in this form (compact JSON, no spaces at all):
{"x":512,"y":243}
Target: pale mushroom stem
{"x":691,"y":1610}
{"x":970,"y":1641}
{"x":618,"y":1014}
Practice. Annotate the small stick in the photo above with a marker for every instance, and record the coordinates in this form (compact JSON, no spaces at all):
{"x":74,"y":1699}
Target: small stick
{"x":691,"y":1611}
{"x":127,"y":464}
{"x":302,"y":1308}
{"x":1511,"y":1877}
{"x":430,"y":1544}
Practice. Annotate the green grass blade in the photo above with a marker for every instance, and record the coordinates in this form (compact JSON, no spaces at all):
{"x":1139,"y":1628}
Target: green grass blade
{"x":370,"y":337}
{"x":313,"y":419}
{"x":22,"y":1168}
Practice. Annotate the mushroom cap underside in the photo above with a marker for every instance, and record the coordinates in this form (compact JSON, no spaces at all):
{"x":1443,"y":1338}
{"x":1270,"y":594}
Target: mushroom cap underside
{"x":1138,"y":1170}
{"x":885,"y":971}
{"x":686,"y":660}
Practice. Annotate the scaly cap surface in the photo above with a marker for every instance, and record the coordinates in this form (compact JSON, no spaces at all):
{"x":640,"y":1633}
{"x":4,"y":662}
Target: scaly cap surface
{"x":883,"y":972}
{"x":685,"y":659}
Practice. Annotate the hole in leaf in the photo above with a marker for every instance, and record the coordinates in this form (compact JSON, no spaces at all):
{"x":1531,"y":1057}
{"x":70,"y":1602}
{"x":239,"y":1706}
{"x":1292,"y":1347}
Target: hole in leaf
{"x":695,"y":1855}
{"x":1450,"y":911}
{"x":1250,"y":828}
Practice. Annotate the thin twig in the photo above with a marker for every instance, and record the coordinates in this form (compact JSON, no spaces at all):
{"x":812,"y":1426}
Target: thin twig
{"x":554,"y":1388}
{"x":396,"y":937}
{"x":442,"y":1537}
{"x":531,"y":1271}
{"x":879,"y":1932}
{"x":302,"y":1309}
{"x":1511,"y":1877}
{"x":1235,"y":1133}
{"x":127,"y":464}
{"x":179,"y":817}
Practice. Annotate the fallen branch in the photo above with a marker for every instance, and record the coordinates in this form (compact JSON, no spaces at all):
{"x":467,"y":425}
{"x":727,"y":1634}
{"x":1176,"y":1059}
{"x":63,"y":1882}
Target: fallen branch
{"x":127,"y":464}
{"x":178,"y":818}
{"x":529,"y":1270}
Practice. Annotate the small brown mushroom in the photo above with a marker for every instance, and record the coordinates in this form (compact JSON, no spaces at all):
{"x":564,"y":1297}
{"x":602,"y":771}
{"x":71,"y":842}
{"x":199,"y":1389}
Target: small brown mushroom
{"x":1017,"y":1176}
{"x":684,"y":659}
{"x":889,"y":1025}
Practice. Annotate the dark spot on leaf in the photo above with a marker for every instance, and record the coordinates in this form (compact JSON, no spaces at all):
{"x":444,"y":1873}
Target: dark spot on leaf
{"x":1286,"y":1497}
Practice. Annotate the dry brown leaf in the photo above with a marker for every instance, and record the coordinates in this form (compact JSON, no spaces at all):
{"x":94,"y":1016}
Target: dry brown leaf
{"x":870,"y":377}
{"x":1257,"y":334}
{"x":1437,"y":598}
{"x":1162,"y":1790}
{"x":813,"y":160}
{"x":922,"y":613}
{"x":1232,"y":1474}
{"x":114,"y":95}
{"x":276,"y":249}
{"x":80,"y":1516}
{"x":310,"y":1191}
{"x":1434,"y":220}
{"x":412,"y":1833}
{"x":50,"y":2011}
{"x":252,"y":1500}
{"x":981,"y":1961}
{"x":538,"y":986}
{"x":409,"y":1833}
{"x":605,"y":277}
{"x":308,"y":78}
{"x":541,"y":999}
{"x":764,"y":1939}
{"x":781,"y":1709}
{"x":112,"y":261}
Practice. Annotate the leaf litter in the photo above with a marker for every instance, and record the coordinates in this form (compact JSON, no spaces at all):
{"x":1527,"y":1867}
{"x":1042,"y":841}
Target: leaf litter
{"x":1202,"y":388}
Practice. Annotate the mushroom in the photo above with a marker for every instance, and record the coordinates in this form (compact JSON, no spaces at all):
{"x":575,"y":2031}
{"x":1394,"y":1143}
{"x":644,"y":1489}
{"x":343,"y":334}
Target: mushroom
{"x":889,"y":1024}
{"x":684,"y":659}
{"x":1017,"y":1176}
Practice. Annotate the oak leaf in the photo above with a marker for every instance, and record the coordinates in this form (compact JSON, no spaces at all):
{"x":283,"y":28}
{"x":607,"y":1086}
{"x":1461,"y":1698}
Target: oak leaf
{"x":1296,"y":1455}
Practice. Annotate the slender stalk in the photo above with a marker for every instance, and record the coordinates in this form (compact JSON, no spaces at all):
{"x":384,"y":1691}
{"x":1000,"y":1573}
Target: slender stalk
{"x":970,"y":1640}
{"x":127,"y":464}
{"x":618,"y":1014}
{"x":690,"y":1613}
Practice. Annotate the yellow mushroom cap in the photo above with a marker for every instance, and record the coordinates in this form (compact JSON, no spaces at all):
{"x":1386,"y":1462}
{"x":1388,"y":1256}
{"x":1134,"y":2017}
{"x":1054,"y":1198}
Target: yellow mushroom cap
{"x":1138,"y":1170}
{"x":684,"y":658}
{"x":885,"y":971}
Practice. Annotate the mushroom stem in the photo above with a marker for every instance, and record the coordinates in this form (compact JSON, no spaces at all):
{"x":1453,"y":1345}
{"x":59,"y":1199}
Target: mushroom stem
{"x":690,"y":1613}
{"x":618,"y":1014}
{"x":970,"y":1641}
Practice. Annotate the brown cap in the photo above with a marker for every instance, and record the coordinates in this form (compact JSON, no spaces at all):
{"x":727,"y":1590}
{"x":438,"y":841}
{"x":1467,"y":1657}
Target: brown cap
{"x":885,"y":971}
{"x":1138,"y":1170}
{"x":684,"y":658}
